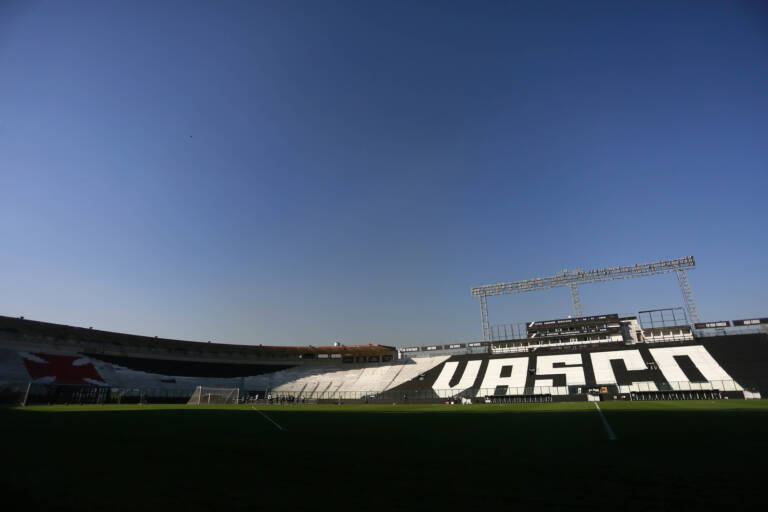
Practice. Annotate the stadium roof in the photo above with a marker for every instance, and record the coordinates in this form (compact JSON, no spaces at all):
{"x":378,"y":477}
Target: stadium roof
{"x":61,"y":331}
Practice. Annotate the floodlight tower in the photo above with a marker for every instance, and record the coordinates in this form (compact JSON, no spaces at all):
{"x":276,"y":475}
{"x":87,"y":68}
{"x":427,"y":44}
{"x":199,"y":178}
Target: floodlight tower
{"x":573,"y":278}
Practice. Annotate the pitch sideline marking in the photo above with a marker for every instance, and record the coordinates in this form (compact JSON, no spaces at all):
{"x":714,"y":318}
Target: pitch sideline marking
{"x":608,"y":428}
{"x":270,"y":419}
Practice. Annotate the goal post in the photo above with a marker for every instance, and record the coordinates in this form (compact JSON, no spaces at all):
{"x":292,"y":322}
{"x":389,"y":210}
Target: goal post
{"x":205,"y":395}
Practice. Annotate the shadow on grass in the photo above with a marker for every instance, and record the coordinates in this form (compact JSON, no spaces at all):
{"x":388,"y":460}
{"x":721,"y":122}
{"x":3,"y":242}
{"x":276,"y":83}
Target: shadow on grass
{"x":234,"y":459}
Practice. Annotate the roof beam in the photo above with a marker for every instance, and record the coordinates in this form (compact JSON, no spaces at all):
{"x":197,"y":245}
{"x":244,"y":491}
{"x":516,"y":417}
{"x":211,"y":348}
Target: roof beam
{"x":569,"y":277}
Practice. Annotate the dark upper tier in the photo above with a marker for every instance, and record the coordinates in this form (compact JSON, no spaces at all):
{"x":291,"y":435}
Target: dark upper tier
{"x":106,"y":341}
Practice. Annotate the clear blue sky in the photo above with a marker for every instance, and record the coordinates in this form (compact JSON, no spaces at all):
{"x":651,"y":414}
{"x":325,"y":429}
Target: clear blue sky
{"x":304,"y":172}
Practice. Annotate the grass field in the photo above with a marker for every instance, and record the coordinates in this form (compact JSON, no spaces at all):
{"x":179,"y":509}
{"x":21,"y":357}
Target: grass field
{"x":667,"y":456}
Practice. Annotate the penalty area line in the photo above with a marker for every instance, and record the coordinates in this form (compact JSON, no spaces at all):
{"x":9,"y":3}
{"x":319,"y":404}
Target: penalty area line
{"x":608,"y":428}
{"x":270,"y":420}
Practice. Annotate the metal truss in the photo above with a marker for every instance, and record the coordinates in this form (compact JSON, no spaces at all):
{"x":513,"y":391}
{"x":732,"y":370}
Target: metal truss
{"x":484,"y":316}
{"x":573,"y":278}
{"x":575,"y":299}
{"x":685,"y":289}
{"x":664,"y":317}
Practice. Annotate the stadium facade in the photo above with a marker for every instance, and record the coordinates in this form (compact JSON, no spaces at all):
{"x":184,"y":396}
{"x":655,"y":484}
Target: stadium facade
{"x":583,"y":358}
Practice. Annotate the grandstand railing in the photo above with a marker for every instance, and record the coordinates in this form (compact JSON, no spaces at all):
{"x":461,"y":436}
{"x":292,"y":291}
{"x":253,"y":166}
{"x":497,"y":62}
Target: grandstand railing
{"x":532,"y":344}
{"x":74,"y":394}
{"x":732,"y":331}
{"x":536,"y":345}
{"x":720,"y":385}
{"x":43,"y":394}
{"x":667,"y":338}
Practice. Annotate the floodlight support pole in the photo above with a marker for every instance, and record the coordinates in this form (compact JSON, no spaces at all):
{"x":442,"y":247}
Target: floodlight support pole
{"x":575,"y":299}
{"x":484,"y":318}
{"x":685,"y":289}
{"x":574,"y":278}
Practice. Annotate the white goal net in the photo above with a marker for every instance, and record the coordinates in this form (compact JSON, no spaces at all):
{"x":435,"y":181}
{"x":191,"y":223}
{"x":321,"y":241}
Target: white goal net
{"x":204,"y":395}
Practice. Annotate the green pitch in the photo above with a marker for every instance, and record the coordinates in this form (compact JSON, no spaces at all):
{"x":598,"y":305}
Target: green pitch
{"x":667,"y":455}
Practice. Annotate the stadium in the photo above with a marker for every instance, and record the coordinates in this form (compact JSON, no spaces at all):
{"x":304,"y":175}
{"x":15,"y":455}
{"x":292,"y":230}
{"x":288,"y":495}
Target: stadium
{"x":577,"y":412}
{"x":244,"y":244}
{"x":656,"y":354}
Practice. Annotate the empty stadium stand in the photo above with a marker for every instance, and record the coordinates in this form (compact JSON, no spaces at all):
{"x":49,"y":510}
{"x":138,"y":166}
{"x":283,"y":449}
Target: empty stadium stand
{"x":57,"y":361}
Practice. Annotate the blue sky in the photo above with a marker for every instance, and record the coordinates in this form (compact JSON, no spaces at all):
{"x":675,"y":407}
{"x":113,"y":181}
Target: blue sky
{"x":304,"y":172}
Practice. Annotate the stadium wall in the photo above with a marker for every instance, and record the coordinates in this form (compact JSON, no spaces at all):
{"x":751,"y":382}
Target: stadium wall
{"x":728,"y":363}
{"x":50,"y":355}
{"x":55,"y":355}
